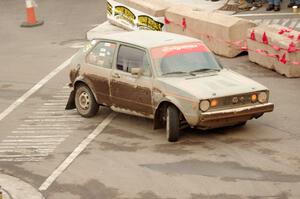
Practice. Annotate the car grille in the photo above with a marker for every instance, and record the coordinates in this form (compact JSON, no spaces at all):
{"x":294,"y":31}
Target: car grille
{"x":234,"y":101}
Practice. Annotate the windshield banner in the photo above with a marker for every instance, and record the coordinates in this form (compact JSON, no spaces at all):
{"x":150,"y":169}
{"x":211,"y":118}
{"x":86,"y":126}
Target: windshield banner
{"x":166,"y":51}
{"x":131,"y":18}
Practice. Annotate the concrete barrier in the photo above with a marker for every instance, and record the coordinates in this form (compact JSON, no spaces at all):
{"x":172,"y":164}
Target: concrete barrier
{"x":223,"y":34}
{"x":275,"y":47}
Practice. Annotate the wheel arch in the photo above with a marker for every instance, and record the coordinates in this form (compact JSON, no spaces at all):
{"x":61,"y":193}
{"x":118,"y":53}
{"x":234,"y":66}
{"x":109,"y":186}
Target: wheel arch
{"x":161,"y":110}
{"x":86,"y":83}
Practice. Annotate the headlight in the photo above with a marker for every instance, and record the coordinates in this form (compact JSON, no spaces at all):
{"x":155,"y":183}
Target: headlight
{"x":204,"y":105}
{"x":262,"y":97}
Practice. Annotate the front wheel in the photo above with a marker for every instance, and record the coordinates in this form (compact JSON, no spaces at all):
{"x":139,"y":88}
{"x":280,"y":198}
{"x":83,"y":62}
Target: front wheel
{"x":172,"y":124}
{"x":85,"y":102}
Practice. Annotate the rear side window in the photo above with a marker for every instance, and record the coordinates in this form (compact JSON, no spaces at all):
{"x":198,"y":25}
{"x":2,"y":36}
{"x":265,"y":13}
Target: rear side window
{"x":102,"y":55}
{"x":129,"y":57}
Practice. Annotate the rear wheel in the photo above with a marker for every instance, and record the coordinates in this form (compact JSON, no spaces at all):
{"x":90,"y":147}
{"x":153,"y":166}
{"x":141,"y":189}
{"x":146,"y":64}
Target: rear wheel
{"x":172,"y":124}
{"x":85,"y":102}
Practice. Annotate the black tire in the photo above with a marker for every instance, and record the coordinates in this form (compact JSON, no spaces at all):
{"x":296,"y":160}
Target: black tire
{"x":172,"y":124}
{"x":85,"y":101}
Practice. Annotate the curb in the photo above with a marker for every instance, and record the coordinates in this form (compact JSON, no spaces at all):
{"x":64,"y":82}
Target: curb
{"x":14,"y":188}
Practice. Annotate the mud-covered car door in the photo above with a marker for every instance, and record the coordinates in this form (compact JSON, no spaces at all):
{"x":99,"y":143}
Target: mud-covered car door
{"x":98,"y":71}
{"x":130,"y":92}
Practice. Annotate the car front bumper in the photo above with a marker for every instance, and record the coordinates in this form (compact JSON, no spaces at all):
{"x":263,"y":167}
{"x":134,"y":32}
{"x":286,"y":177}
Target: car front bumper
{"x":232,"y":116}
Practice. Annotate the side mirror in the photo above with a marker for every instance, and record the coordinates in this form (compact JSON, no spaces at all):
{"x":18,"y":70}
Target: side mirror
{"x":136,"y":71}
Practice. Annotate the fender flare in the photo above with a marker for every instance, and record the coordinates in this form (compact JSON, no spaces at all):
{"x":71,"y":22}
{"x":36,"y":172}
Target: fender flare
{"x":87,"y":82}
{"x":158,"y":122}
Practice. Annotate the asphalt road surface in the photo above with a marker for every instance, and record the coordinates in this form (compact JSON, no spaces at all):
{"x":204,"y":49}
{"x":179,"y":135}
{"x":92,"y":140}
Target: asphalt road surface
{"x":120,"y":156}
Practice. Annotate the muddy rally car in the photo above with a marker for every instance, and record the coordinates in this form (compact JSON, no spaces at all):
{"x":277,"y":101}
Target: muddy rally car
{"x":173,"y":79}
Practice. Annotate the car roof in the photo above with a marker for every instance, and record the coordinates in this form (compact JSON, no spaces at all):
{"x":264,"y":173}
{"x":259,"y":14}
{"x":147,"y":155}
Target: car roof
{"x":149,"y":39}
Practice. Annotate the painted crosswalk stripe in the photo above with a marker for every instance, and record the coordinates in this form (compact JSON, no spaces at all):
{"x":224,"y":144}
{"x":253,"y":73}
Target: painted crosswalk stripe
{"x":55,"y":120}
{"x":55,"y":132}
{"x":27,"y":147}
{"x":293,"y":23}
{"x":50,"y":112}
{"x":27,"y":150}
{"x":54,"y":116}
{"x":30,"y":159}
{"x":66,"y":163}
{"x":34,"y":140}
{"x":43,"y":125}
{"x":28,"y":144}
{"x":42,"y":131}
{"x":24,"y":155}
{"x":61,"y":96}
{"x":45,"y":128}
{"x":37,"y":136}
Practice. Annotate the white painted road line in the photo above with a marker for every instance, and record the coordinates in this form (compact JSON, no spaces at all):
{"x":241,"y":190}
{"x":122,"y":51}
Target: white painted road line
{"x":266,"y":14}
{"x":52,"y":132}
{"x":46,"y":128}
{"x":61,"y":96}
{"x":34,"y":140}
{"x":49,"y":112}
{"x":28,"y":144}
{"x":31,"y":159}
{"x":28,"y":147}
{"x":55,"y":102}
{"x":24,"y":155}
{"x":37,"y":136}
{"x":54,"y":116}
{"x":55,"y":120}
{"x":26,"y":150}
{"x":44,"y":125}
{"x":59,"y":170}
{"x":34,"y":89}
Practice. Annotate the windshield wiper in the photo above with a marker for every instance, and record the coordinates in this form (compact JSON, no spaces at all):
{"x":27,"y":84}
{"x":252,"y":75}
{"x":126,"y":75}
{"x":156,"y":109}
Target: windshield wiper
{"x":175,"y":72}
{"x":203,"y":70}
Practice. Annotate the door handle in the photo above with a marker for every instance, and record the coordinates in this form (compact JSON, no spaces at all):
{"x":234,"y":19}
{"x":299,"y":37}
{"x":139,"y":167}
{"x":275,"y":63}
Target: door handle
{"x":115,"y":75}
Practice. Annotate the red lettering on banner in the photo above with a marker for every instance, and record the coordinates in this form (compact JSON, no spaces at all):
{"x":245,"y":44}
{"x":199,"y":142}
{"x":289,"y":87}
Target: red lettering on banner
{"x":166,"y":51}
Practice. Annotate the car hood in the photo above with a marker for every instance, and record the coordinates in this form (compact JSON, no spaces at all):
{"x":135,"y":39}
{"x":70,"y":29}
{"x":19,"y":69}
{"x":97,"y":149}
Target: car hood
{"x":211,"y":84}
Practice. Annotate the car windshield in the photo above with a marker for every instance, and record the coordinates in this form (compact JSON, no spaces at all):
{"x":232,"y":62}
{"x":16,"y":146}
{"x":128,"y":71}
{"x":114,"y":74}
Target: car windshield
{"x":184,"y":59}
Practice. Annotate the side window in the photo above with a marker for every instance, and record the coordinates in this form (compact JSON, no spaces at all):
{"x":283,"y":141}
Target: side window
{"x":102,"y":55}
{"x":129,"y":58}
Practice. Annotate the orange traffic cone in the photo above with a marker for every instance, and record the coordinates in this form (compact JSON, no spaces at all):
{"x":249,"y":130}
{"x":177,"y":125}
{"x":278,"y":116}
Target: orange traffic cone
{"x":31,"y":19}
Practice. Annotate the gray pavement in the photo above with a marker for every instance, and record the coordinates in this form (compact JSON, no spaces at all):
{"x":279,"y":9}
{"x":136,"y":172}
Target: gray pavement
{"x":128,"y":159}
{"x":14,"y":188}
